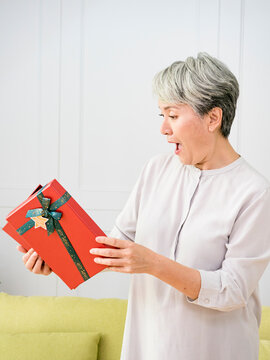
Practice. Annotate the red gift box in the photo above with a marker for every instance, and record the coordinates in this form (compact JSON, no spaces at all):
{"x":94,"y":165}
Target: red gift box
{"x":52,"y":223}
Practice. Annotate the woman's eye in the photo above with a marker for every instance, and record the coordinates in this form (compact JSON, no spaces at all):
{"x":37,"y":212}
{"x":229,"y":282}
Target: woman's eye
{"x":172,"y":117}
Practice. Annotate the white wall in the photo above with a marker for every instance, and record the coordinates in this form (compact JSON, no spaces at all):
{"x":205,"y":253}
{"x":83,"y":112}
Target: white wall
{"x":76,"y":103}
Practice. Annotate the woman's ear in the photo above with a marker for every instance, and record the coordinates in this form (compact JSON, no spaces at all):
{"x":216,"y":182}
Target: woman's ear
{"x":214,"y":119}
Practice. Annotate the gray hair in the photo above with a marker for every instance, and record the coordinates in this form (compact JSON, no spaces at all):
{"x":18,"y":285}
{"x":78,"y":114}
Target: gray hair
{"x":203,"y":83}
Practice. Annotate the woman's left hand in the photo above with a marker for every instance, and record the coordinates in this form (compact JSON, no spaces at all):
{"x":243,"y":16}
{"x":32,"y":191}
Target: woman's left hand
{"x":128,"y":257}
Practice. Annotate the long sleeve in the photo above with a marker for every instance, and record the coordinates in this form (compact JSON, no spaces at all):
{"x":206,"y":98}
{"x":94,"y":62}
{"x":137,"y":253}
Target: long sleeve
{"x":247,"y":256}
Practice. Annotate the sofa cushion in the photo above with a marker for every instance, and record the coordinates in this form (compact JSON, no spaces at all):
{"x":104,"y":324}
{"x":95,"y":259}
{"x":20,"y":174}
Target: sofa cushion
{"x":265,"y":324}
{"x":264,"y":353}
{"x":49,"y":346}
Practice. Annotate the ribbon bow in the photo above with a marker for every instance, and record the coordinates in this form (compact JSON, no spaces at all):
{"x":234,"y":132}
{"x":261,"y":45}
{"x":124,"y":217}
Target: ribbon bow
{"x":52,"y":216}
{"x":48,"y":211}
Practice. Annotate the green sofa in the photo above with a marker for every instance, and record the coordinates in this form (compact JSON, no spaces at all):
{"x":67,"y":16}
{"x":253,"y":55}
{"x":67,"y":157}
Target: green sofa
{"x":67,"y":328}
{"x":60,"y":328}
{"x":265,"y":334}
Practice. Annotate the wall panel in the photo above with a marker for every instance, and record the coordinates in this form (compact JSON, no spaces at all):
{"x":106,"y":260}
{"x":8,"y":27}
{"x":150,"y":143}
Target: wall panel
{"x":77,"y":103}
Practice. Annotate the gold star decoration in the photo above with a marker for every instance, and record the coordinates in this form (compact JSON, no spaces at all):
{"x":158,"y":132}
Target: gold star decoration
{"x":40,"y":221}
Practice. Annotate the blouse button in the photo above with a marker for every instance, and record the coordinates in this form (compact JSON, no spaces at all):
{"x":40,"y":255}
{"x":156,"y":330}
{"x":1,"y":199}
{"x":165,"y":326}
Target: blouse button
{"x":206,"y":301}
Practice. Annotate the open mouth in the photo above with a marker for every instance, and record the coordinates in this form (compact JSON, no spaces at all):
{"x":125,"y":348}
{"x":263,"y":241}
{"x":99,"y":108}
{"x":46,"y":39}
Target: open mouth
{"x":178,"y":148}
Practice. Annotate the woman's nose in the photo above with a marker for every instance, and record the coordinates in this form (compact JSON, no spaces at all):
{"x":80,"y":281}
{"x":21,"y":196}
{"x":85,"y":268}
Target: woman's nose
{"x":165,"y":128}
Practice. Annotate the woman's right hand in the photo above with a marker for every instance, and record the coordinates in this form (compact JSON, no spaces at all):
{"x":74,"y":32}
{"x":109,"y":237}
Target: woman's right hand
{"x":33,"y":261}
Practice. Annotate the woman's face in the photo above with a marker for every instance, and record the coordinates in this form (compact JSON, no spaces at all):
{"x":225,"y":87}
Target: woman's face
{"x":183,"y":126}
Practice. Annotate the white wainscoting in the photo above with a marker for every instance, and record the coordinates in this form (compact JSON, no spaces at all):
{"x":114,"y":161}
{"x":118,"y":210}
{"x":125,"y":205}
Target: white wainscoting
{"x":76,"y":103}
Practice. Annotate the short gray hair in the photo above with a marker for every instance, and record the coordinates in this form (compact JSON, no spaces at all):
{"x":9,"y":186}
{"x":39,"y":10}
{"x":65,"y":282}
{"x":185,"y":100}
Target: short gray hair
{"x":203,"y":83}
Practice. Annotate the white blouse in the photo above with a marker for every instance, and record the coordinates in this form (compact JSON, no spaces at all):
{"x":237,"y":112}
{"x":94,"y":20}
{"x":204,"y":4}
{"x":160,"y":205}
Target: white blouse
{"x":216,"y":221}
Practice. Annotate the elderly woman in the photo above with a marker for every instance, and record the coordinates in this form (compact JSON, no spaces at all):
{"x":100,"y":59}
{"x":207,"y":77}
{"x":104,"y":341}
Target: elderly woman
{"x":195,"y":231}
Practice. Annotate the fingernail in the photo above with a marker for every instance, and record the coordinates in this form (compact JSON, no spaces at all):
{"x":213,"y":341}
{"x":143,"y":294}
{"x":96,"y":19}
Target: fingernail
{"x":92,"y":251}
{"x":96,"y":260}
{"x":98,"y":238}
{"x":35,"y":253}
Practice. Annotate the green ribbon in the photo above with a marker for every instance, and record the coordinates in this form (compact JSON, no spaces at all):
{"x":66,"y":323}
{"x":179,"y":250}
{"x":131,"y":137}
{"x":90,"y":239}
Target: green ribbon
{"x":48,"y":211}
